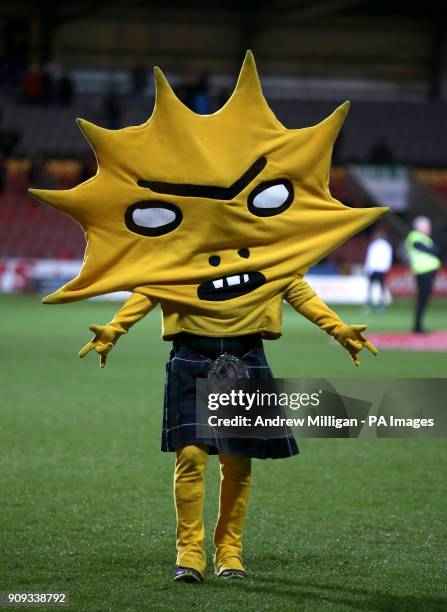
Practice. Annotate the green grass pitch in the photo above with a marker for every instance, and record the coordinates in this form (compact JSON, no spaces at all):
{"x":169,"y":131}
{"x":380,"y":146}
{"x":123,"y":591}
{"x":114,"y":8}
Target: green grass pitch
{"x":86,"y":495}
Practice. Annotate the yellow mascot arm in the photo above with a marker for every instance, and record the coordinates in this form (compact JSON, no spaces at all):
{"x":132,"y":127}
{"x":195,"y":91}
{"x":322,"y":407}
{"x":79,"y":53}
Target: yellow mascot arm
{"x":308,"y":304}
{"x":106,"y":336}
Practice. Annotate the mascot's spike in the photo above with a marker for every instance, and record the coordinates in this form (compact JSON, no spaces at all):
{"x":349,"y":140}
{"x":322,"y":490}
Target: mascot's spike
{"x":94,"y":134}
{"x":318,"y":142}
{"x":330,"y":127}
{"x":165,"y":97}
{"x":248,"y":83}
{"x":249,"y":73}
{"x":58,"y":198}
{"x":248,"y":98}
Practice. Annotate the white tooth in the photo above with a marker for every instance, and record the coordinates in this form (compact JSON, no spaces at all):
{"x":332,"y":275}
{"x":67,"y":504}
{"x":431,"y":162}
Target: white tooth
{"x":233,"y":280}
{"x":245,"y":278}
{"x":218,"y":284}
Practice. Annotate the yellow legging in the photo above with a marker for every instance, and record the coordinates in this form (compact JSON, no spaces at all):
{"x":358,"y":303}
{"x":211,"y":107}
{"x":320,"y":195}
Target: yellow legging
{"x":189,"y":492}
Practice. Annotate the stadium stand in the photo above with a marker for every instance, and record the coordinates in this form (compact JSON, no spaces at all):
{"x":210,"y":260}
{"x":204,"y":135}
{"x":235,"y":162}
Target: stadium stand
{"x":29,"y":229}
{"x":414,"y":132}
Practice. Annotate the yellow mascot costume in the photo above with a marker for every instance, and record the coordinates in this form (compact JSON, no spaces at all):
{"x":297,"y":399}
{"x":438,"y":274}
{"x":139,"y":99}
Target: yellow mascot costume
{"x":216,"y":218}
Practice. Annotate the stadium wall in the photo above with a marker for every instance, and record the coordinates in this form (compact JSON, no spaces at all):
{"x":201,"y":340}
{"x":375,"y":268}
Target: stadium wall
{"x":43,"y":276}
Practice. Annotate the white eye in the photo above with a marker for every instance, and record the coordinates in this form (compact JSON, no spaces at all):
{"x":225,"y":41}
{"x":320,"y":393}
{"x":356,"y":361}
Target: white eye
{"x":152,"y":217}
{"x":271,"y":198}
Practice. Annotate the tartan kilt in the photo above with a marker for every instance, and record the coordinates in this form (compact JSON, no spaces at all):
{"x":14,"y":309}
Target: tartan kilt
{"x":179,"y":414}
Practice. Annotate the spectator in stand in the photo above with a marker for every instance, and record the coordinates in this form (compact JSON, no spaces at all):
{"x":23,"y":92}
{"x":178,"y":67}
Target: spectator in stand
{"x":49,"y":77}
{"x":138,"y":82}
{"x":425,"y":260}
{"x":112,"y":110}
{"x":379,"y":258}
{"x":197,"y":96}
{"x":182,"y":91}
{"x":65,"y":89}
{"x":381,"y":154}
{"x":32,"y":84}
{"x":9,"y":137}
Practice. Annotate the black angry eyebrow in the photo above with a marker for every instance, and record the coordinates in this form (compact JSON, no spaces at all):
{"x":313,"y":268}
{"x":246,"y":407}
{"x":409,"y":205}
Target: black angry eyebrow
{"x":207,"y":191}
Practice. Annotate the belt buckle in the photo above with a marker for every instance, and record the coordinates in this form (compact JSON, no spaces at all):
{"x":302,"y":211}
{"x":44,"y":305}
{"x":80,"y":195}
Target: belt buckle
{"x":228,"y":366}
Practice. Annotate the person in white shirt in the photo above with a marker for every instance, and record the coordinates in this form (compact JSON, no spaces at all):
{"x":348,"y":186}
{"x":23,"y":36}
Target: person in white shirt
{"x":379,"y":258}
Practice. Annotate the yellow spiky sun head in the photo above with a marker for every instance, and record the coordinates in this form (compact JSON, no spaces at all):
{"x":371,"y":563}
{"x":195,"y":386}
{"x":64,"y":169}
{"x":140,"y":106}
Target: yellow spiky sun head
{"x":182,"y":188}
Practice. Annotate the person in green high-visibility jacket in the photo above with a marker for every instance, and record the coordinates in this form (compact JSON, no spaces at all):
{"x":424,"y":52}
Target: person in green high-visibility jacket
{"x":424,"y":261}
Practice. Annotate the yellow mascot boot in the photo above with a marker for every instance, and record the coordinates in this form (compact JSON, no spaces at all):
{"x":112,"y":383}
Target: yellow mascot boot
{"x":189,"y":491}
{"x":234,"y":493}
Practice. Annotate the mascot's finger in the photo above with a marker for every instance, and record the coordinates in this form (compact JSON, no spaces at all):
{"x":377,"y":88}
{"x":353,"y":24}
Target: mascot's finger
{"x":371,"y":348}
{"x":357,"y":328}
{"x":85,"y":349}
{"x":354,"y":344}
{"x":356,"y":360}
{"x":96,"y":329}
{"x":355,"y":357}
{"x":103,"y":348}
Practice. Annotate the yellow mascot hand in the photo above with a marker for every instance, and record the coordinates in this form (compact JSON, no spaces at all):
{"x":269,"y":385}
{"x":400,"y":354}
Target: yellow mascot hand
{"x":351,"y":339}
{"x":103,"y":342}
{"x":106,"y":336}
{"x":349,"y":336}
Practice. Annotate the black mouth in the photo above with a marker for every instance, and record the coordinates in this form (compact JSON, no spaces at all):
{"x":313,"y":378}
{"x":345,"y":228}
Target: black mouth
{"x":229,"y":287}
